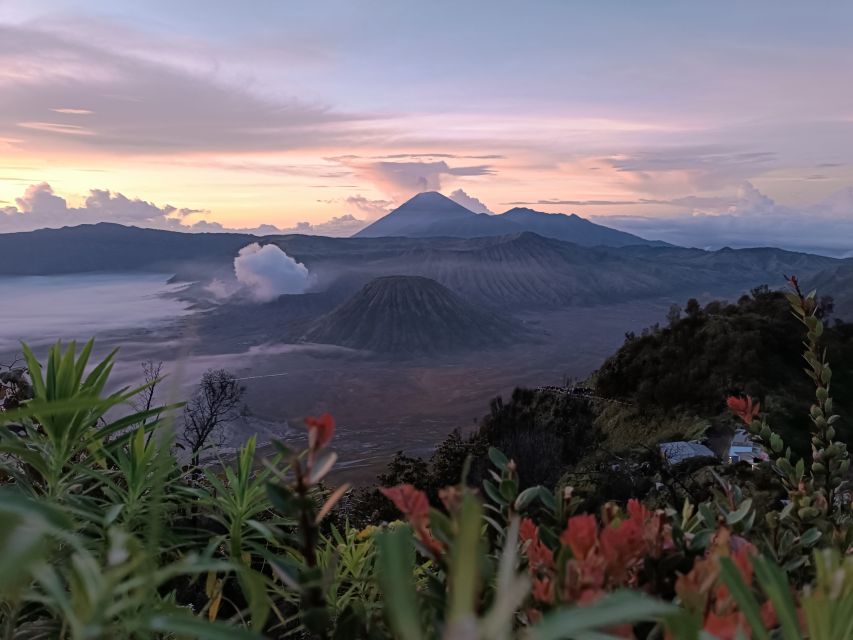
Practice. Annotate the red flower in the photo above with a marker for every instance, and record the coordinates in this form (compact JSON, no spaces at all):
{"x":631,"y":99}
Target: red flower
{"x":744,"y":408}
{"x":638,"y":511}
{"x":580,"y":535}
{"x":539,"y":557}
{"x":320,"y":431}
{"x":623,"y":548}
{"x":543,"y":589}
{"x":727,"y":626}
{"x":527,"y":531}
{"x":413,"y":504}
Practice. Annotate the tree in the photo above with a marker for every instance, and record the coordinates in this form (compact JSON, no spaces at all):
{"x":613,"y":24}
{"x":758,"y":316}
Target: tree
{"x":674,"y":314}
{"x":144,"y":402}
{"x":214,"y":403}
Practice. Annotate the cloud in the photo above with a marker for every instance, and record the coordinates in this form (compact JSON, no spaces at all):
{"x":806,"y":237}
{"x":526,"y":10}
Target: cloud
{"x":687,"y":201}
{"x":340,"y":226}
{"x":401,"y":180}
{"x":143,"y":105}
{"x":688,"y":168}
{"x":469,"y":202}
{"x":266,"y":272}
{"x":752,"y":219}
{"x":373,"y":208}
{"x":40,"y":207}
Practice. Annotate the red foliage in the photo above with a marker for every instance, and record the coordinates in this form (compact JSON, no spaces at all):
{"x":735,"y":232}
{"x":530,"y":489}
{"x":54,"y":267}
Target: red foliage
{"x":320,"y":431}
{"x":581,"y":535}
{"x":603,"y":557}
{"x":413,"y":504}
{"x":744,"y":408}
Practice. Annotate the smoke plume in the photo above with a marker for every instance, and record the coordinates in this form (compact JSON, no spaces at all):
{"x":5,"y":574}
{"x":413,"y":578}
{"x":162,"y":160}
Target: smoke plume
{"x":267,"y":272}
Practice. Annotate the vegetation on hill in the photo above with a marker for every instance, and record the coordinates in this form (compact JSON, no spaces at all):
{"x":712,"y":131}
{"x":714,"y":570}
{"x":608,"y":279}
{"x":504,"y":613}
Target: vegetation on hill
{"x":672,"y":373}
{"x":104,"y":534}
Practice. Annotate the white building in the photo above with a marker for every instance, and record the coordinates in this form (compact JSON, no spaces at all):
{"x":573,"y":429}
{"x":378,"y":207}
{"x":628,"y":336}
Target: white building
{"x":742,"y":448}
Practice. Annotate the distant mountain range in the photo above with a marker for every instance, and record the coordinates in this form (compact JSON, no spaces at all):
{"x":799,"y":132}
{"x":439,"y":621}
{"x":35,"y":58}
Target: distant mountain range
{"x":430,"y":214}
{"x":516,"y":271}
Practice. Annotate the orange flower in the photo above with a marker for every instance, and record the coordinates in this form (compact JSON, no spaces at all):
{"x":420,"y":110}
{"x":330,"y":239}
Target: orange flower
{"x":320,"y":431}
{"x":580,"y":535}
{"x":744,"y":408}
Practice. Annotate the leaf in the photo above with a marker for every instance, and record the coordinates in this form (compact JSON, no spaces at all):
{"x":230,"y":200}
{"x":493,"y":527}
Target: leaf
{"x":281,"y":498}
{"x":498,"y":458}
{"x":322,"y":466}
{"x":810,"y":537}
{"x":774,"y":582}
{"x":620,"y":607}
{"x":525,"y":498}
{"x":395,"y":563}
{"x":197,"y":628}
{"x":743,"y":596}
{"x":254,"y":588}
{"x":213,"y":611}
{"x":736,"y":516}
{"x":464,"y":559}
{"x":331,"y":501}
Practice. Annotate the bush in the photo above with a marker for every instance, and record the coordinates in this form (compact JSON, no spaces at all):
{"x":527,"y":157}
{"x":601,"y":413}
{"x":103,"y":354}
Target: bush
{"x":104,"y":535}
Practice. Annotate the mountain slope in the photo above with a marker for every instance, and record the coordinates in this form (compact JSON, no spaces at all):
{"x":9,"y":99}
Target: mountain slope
{"x":573,"y":228}
{"x":406,"y":315}
{"x":518,"y":270}
{"x":431,"y":214}
{"x":112,"y":247}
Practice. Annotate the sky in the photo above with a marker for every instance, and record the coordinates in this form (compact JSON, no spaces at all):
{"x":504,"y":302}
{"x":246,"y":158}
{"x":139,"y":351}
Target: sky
{"x":707,"y":124}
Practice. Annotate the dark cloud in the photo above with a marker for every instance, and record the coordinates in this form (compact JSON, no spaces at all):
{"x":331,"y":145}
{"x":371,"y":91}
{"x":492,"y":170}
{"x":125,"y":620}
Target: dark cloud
{"x":404,"y":179}
{"x":699,"y":168}
{"x":72,"y":92}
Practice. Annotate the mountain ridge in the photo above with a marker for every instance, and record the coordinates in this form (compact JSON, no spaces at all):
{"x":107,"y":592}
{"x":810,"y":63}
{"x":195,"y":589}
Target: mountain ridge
{"x":431,"y":214}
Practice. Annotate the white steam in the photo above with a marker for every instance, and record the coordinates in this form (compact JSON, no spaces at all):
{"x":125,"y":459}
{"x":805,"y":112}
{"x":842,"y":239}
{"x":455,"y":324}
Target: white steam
{"x":267,"y":272}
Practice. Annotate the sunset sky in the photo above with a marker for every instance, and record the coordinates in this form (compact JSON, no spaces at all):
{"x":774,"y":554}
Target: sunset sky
{"x":701,"y":123}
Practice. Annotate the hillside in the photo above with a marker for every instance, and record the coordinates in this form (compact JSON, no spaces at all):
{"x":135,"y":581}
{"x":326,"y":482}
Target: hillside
{"x":516,"y":271}
{"x":752,"y":347}
{"x":112,"y":247}
{"x":410,"y":315}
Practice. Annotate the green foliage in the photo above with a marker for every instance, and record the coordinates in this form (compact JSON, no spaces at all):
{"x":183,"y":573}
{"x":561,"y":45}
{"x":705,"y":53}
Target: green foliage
{"x":747,"y":348}
{"x":104,"y":534}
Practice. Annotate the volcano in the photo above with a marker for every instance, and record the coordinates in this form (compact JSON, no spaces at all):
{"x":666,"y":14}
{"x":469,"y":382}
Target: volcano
{"x":411,"y":315}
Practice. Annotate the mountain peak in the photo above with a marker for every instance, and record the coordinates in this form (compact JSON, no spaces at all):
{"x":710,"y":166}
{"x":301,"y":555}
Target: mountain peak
{"x":432,"y":214}
{"x":410,"y":314}
{"x":428,"y":196}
